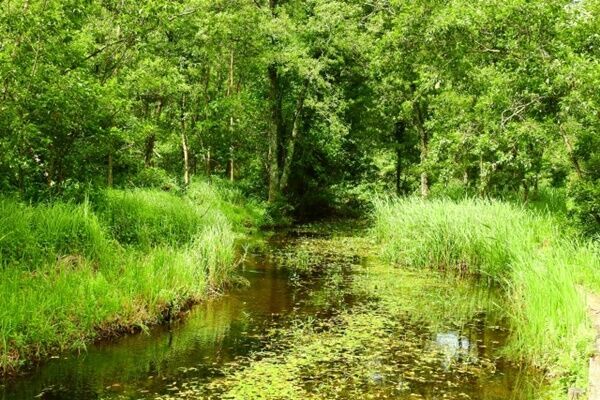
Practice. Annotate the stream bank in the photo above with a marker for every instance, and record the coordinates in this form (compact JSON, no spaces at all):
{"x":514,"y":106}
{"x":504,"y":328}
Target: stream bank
{"x":322,"y":317}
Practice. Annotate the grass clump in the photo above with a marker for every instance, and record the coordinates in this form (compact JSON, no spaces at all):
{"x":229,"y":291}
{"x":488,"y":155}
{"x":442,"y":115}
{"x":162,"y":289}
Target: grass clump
{"x":33,"y":235}
{"x":145,"y":217}
{"x":63,"y":307}
{"x":244,"y":214}
{"x":541,"y":269}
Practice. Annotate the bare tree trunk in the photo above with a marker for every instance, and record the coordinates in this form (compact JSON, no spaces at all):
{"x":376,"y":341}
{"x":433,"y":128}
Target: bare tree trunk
{"x":274,"y":129}
{"x":231,"y":166}
{"x":424,"y":185}
{"x":289,"y":155}
{"x":208,"y":161}
{"x":151,"y":140}
{"x":184,"y":145}
{"x":229,"y":94}
{"x":424,"y":138}
{"x":399,"y":130}
{"x":483,"y":177}
{"x":110,"y":169}
{"x":186,"y":163}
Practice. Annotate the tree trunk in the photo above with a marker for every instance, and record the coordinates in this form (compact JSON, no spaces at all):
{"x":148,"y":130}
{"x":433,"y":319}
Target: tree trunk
{"x":184,"y":145}
{"x":149,"y":150}
{"x":424,"y":185}
{"x":424,"y":139}
{"x":151,"y":140}
{"x":231,"y":166}
{"x":289,"y":154}
{"x":110,"y":169}
{"x":229,"y":94}
{"x":274,"y":129}
{"x":186,"y":163}
{"x":208,"y":162}
{"x":399,"y":131}
{"x":275,"y":126}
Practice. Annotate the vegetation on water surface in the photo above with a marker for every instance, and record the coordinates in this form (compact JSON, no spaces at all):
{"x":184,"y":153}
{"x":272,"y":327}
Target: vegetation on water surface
{"x":73,"y":273}
{"x":544,"y":270}
{"x":380,"y":344}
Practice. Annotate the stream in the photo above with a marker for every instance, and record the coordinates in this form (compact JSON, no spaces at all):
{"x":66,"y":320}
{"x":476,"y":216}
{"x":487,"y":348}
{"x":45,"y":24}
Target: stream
{"x":313,"y":289}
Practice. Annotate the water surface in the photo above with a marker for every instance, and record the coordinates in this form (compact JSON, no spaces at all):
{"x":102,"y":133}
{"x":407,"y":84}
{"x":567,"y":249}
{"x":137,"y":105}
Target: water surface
{"x":424,"y":360}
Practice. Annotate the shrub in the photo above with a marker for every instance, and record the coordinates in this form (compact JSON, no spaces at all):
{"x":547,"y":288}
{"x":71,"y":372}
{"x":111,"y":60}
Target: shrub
{"x":156,"y":178}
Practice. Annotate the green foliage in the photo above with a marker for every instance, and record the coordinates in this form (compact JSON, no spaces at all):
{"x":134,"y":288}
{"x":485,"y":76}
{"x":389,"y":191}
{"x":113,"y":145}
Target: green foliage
{"x":585,"y":205}
{"x":494,"y":98}
{"x":154,"y":178}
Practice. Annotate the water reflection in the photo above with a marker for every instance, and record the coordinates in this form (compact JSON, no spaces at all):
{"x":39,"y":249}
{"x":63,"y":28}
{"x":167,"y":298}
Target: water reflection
{"x":455,"y":348}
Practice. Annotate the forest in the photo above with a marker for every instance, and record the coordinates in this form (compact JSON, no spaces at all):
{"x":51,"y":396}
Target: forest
{"x":300,"y":199}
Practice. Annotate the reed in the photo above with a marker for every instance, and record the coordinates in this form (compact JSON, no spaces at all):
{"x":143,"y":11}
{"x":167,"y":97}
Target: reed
{"x":543,"y":270}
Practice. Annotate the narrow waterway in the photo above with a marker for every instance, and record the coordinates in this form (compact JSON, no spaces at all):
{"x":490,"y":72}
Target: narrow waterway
{"x":306,"y":274}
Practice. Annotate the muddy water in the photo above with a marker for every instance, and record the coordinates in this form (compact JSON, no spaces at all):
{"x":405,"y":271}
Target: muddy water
{"x":218,"y":334}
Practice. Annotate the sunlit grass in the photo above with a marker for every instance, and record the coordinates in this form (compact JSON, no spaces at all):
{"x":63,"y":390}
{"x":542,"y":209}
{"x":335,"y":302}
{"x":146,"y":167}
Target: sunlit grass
{"x":32,"y":235}
{"x":540,"y":267}
{"x":69,"y":274}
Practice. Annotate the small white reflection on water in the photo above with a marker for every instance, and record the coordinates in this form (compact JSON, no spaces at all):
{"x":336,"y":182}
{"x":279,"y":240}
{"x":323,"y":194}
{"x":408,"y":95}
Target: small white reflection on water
{"x":455,"y":348}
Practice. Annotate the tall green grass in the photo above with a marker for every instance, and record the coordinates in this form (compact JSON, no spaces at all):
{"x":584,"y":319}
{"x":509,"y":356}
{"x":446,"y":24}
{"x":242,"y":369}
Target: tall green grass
{"x":145,"y":217}
{"x":242,"y":212}
{"x":542,"y":269}
{"x":30,"y":236}
{"x":69,"y":274}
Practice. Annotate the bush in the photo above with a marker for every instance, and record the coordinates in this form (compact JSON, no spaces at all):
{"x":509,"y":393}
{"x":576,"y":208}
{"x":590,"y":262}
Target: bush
{"x":584,"y":206}
{"x":156,"y":178}
{"x":220,"y":198}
